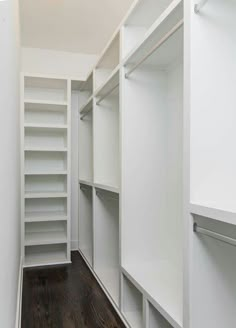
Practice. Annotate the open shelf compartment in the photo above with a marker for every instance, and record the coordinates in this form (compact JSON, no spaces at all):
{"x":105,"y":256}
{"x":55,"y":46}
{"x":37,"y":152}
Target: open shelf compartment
{"x":45,"y":183}
{"x":106,"y":241}
{"x":45,"y":114}
{"x":131,"y":303}
{"x":45,"y":233}
{"x":41,"y":89}
{"x":45,"y":209}
{"x":152,"y":188}
{"x":108,"y":62}
{"x":43,"y":161}
{"x":213,"y":275}
{"x":86,"y":222}
{"x":106,"y":140}
{"x":45,"y":255}
{"x":44,"y":137}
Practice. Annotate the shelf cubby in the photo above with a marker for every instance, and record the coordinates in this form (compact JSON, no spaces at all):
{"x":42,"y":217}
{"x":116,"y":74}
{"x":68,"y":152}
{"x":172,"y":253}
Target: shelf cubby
{"x":142,"y":21}
{"x":40,"y":89}
{"x":106,"y":140}
{"x":43,"y":161}
{"x":106,"y":241}
{"x":45,"y":183}
{"x":45,"y":233}
{"x":107,"y":63}
{"x":212,"y":109}
{"x":86,"y":146}
{"x":85,"y":89}
{"x":45,"y":114}
{"x":152,"y":188}
{"x":155,"y":319}
{"x":45,"y":209}
{"x":44,"y":137}
{"x":45,"y":255}
{"x":213,"y":275}
{"x":86,"y":222}
{"x":131,"y":303}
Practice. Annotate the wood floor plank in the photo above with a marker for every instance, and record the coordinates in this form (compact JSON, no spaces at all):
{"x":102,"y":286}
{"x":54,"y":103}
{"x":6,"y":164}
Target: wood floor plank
{"x":65,"y":297}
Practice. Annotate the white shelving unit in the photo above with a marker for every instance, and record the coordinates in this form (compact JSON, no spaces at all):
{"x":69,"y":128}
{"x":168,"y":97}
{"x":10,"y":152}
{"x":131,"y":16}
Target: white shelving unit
{"x":45,"y":170}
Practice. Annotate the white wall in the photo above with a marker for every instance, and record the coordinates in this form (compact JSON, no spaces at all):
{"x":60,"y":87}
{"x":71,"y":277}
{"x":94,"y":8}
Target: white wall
{"x":68,"y":64}
{"x":10,"y":161}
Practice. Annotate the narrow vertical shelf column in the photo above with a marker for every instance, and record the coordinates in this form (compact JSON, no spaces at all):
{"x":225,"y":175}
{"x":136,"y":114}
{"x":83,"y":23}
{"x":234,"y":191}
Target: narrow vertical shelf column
{"x":46,"y":183}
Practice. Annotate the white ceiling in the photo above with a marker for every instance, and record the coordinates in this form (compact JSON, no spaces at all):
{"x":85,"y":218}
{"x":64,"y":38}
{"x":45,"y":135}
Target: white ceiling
{"x":83,"y":26}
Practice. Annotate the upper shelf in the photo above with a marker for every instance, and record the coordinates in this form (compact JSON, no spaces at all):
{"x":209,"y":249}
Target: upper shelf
{"x":110,"y":84}
{"x":167,"y":21}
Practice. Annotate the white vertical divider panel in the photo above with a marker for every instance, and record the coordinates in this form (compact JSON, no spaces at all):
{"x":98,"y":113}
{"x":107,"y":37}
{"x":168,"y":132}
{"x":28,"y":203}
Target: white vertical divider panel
{"x":22,"y":120}
{"x":69,"y":169}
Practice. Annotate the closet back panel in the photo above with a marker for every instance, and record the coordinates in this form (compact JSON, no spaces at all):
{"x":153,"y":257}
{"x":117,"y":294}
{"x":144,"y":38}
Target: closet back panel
{"x":45,"y":183}
{"x":43,"y":161}
{"x":45,"y":114}
{"x":45,"y":138}
{"x":45,"y":205}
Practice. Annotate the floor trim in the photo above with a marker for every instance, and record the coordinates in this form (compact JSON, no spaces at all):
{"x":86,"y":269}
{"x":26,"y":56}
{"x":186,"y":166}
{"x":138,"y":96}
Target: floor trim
{"x":19,"y":295}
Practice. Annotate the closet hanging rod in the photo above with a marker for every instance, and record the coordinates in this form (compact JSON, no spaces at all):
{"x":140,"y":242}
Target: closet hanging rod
{"x":198,"y":6}
{"x":101,"y":194}
{"x":214,"y":235}
{"x":85,"y":188}
{"x":158,"y":45}
{"x":107,"y":94}
{"x":85,"y":114}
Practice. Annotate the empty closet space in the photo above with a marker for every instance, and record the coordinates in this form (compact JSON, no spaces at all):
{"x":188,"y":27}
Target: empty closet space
{"x":213,"y":273}
{"x":106,"y":240}
{"x":140,"y":20}
{"x":152,"y":145}
{"x":86,"y":222}
{"x":213,"y":109}
{"x":45,"y":170}
{"x":106,"y":135}
{"x":107,"y":63}
{"x":131,"y":303}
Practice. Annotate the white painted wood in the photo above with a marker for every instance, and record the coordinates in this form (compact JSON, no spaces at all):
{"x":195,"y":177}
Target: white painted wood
{"x":106,"y":141}
{"x":106,"y":241}
{"x":46,"y":170}
{"x":86,"y":222}
{"x":213,"y":277}
{"x":156,"y":320}
{"x":132,"y":303}
{"x":213,"y":102}
{"x":151,"y":190}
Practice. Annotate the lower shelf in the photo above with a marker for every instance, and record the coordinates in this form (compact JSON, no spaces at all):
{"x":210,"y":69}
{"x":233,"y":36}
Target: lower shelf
{"x":38,"y":216}
{"x":162,"y":284}
{"x":45,"y":255}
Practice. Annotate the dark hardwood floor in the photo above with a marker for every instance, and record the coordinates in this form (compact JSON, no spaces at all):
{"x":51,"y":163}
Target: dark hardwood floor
{"x":65,"y":297}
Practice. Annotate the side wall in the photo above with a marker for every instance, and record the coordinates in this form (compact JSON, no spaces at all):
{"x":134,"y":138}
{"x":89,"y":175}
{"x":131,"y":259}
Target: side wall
{"x":10,"y":161}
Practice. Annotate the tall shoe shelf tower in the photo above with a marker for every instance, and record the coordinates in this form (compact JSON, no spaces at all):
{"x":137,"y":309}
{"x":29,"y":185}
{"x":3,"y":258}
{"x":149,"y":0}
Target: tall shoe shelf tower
{"x":45,"y":171}
{"x":156,"y":204}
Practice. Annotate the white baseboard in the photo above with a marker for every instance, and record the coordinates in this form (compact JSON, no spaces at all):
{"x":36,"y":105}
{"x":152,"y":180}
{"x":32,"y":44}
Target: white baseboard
{"x":74,"y":245}
{"x":19,"y":295}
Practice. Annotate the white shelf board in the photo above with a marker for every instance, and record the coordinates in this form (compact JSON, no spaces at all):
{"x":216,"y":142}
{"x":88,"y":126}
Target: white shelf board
{"x":58,"y":257}
{"x":46,"y":126}
{"x":107,"y":188}
{"x":110,"y":83}
{"x":45,"y":238}
{"x":171,"y":16}
{"x":45,"y":195}
{"x":213,"y":213}
{"x":46,"y":172}
{"x":87,"y":106}
{"x":45,"y":102}
{"x":45,"y":216}
{"x":87,"y":183}
{"x":110,"y":279}
{"x":157,"y":281}
{"x":45,"y":149}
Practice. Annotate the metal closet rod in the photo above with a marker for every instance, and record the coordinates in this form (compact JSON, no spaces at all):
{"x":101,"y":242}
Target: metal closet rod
{"x":85,"y":114}
{"x":198,"y":6}
{"x":215,"y":235}
{"x":101,"y":194}
{"x":158,"y":45}
{"x":107,"y":94}
{"x":85,"y":188}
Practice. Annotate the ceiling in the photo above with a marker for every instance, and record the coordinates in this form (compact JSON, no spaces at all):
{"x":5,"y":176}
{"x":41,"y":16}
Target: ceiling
{"x":83,"y":26}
